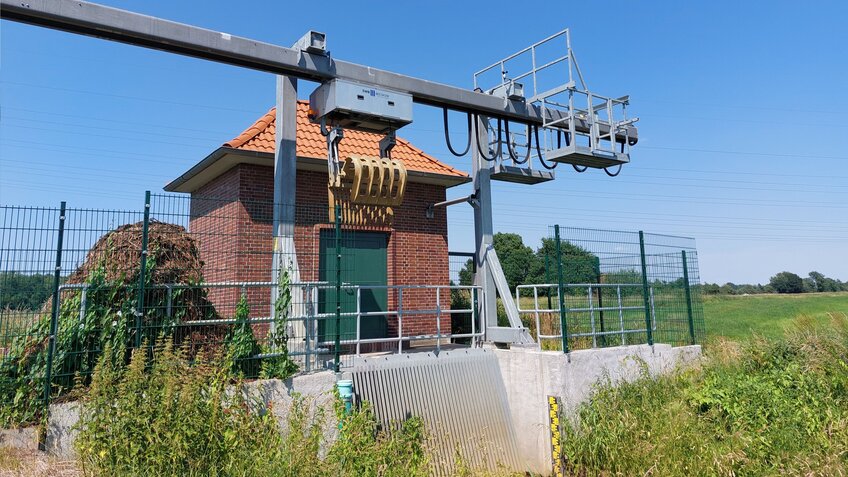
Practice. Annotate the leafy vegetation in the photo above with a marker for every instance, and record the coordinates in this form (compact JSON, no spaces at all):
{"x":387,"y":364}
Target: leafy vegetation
{"x":787,"y":282}
{"x":767,"y":407}
{"x":167,"y":416}
{"x":242,"y":342}
{"x":104,"y":323}
{"x":522,"y":265}
{"x":108,"y":323}
{"x":20,"y":291}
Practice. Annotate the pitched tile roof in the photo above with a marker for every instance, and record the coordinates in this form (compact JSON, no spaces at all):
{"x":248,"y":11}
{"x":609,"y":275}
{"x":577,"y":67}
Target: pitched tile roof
{"x":310,"y":143}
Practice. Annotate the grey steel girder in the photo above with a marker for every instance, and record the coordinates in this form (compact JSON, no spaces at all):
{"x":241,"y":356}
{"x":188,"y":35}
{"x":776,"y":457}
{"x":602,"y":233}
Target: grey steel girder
{"x":142,"y":30}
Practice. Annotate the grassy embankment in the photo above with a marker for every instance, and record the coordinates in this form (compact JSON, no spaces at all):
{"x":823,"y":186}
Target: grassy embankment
{"x":737,"y":317}
{"x":772,"y":402}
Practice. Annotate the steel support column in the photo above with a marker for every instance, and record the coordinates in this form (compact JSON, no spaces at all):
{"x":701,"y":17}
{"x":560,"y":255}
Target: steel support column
{"x":483,"y":229}
{"x":285,"y":176}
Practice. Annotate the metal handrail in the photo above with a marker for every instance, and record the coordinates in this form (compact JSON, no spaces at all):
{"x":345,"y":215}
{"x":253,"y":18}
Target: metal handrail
{"x":591,"y":309}
{"x":310,"y":316}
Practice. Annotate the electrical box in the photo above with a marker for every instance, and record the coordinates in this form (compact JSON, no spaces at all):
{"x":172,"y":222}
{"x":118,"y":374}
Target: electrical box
{"x":313,"y":42}
{"x":360,"y":106}
{"x":510,"y":90}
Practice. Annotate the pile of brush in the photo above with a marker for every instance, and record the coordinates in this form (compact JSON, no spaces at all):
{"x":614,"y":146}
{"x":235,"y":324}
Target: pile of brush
{"x":106,"y":315}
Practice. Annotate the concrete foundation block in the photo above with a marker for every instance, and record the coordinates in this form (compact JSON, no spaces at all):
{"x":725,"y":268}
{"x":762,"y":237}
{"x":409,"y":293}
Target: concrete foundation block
{"x":24,"y":438}
{"x":531,"y":375}
{"x":61,"y":430}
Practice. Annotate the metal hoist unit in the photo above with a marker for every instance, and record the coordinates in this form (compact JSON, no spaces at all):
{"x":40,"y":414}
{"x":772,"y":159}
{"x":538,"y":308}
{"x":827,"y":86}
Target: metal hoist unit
{"x":367,"y":188}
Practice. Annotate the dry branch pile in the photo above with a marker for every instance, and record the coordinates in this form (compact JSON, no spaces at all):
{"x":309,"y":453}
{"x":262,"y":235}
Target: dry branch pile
{"x":105,"y":318}
{"x":177,"y":259}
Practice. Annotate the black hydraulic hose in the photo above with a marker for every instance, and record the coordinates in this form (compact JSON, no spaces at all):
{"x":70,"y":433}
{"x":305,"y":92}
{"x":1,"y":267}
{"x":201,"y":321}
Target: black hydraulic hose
{"x":499,"y":150}
{"x":539,"y":151}
{"x":568,"y":143}
{"x":559,"y":139}
{"x":512,"y":154}
{"x":617,"y":172}
{"x":324,"y":132}
{"x":447,"y":136}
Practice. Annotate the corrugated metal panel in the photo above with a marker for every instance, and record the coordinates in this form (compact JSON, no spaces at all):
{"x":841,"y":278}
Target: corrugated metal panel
{"x":459,"y":394}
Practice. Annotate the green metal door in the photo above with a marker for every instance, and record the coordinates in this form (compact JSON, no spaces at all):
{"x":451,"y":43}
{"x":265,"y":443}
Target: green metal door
{"x":364,"y":262}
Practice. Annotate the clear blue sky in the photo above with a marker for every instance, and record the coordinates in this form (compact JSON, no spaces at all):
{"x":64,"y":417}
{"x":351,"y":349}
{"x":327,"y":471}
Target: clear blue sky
{"x":742,"y":107}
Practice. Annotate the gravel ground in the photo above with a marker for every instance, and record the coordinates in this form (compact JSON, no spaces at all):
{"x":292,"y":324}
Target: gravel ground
{"x":15,"y":463}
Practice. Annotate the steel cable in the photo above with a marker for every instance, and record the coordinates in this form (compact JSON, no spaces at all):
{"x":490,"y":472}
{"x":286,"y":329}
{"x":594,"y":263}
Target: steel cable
{"x":539,"y":151}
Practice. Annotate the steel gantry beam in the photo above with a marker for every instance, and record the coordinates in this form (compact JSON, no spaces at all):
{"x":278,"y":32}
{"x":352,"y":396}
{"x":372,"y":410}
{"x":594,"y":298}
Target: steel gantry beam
{"x":123,"y":26}
{"x":289,"y":64}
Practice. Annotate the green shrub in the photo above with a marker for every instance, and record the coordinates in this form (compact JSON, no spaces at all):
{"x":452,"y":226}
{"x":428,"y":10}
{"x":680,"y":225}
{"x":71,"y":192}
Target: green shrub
{"x":241,"y":342}
{"x":167,"y":416}
{"x":109,"y":323}
{"x":363,"y":450}
{"x":160,"y":417}
{"x":771,"y":407}
{"x":106,"y":323}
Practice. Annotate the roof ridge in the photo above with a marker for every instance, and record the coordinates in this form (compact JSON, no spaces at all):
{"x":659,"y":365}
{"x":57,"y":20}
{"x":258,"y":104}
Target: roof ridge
{"x":261,"y":137}
{"x":265,"y":120}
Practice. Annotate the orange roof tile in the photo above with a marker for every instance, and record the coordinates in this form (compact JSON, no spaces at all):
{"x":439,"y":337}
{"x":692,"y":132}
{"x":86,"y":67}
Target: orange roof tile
{"x":310,"y":143}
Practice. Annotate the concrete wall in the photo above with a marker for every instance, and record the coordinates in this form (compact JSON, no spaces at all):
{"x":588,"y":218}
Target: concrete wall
{"x":272,"y":394}
{"x":25,"y":438}
{"x":531,"y":376}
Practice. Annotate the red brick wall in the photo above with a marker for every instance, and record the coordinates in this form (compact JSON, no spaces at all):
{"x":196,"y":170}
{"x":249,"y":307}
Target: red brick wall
{"x":214,"y":225}
{"x":235,"y":238}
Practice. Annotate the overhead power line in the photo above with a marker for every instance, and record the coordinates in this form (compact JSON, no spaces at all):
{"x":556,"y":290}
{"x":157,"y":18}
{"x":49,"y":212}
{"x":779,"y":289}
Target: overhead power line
{"x":133,"y":98}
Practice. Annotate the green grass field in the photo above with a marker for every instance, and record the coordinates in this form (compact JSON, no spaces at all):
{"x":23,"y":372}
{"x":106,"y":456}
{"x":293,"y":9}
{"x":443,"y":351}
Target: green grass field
{"x":737,"y":317}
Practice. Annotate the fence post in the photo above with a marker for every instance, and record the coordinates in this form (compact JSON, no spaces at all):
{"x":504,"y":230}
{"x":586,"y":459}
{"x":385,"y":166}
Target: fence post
{"x":562,"y":319}
{"x":336,"y":350}
{"x":54,"y":312}
{"x":142,"y":270}
{"x":688,"y":297}
{"x":601,"y":302}
{"x":645,"y":295}
{"x":547,"y":281}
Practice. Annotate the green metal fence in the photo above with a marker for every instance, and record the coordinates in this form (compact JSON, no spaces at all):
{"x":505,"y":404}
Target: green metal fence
{"x":77,"y":283}
{"x":208,"y":275}
{"x":610,"y":288}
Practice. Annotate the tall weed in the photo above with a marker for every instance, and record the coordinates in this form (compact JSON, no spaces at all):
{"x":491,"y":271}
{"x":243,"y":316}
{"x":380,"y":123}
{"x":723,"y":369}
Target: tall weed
{"x":772,"y":407}
{"x":162,"y":415}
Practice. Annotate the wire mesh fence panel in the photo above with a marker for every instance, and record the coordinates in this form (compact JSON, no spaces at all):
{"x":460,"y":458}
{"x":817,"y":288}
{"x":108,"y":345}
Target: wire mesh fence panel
{"x":617,"y":288}
{"x":28,"y":240}
{"x":278,"y":282}
{"x":213,"y":277}
{"x":98,"y":298}
{"x":462,"y":270}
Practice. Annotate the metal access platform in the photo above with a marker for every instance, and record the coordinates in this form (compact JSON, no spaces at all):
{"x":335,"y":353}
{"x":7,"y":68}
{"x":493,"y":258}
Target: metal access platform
{"x":587,"y":157}
{"x":581,"y":128}
{"x":519,"y":175}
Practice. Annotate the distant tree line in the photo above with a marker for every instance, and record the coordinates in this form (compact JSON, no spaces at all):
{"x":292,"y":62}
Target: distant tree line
{"x":521,"y":264}
{"x":23,"y":291}
{"x":783,"y":282}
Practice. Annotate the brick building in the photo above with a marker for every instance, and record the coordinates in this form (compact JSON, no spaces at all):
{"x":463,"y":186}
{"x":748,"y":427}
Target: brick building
{"x":231,"y":216}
